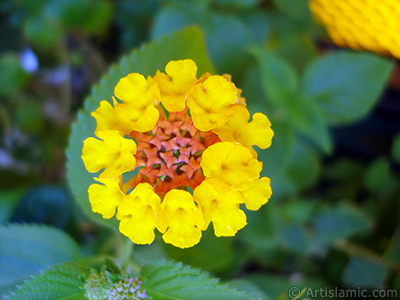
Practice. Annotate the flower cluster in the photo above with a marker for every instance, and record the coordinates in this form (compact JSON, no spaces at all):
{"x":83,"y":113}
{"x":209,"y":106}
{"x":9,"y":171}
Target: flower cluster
{"x":190,"y":144}
{"x":99,"y":286}
{"x":361,"y":24}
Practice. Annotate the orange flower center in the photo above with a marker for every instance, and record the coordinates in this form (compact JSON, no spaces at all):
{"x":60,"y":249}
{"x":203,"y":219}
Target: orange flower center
{"x":170,"y":154}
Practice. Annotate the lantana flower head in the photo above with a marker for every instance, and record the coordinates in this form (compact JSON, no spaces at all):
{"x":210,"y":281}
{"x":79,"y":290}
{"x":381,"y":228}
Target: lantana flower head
{"x":361,"y":24}
{"x":188,"y":142}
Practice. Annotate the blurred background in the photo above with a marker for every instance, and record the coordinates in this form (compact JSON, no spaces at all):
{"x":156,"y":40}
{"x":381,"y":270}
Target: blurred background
{"x":334,"y":164}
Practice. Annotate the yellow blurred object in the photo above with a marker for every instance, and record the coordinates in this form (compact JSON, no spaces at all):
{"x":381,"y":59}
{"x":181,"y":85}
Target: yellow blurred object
{"x":372,"y":25}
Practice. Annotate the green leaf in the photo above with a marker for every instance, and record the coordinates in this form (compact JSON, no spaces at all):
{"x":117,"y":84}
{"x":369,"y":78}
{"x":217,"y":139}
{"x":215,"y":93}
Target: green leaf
{"x":29,"y":117}
{"x":238,"y":4}
{"x":393,"y":251}
{"x":378,"y":177}
{"x":306,"y":118}
{"x":42,"y":32}
{"x":27,"y":249}
{"x":295,"y":237}
{"x":297,"y":211}
{"x":296,"y":9}
{"x":396,"y":148}
{"x":346,"y":85}
{"x":188,"y":43}
{"x":284,"y":287}
{"x":169,"y":280}
{"x":12,"y":76}
{"x":212,"y":254}
{"x":279,"y":79}
{"x":247,"y":286}
{"x":302,"y":173}
{"x":63,"y":281}
{"x":227,"y":34}
{"x":364,"y":273}
{"x":8,"y":201}
{"x":340,"y":221}
{"x":306,"y":49}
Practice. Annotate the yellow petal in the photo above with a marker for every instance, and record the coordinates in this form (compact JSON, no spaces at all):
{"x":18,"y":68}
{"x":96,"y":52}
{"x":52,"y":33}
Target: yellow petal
{"x":139,"y":98}
{"x":211,"y":103}
{"x":108,"y":120}
{"x":105,"y":198}
{"x":137,"y":212}
{"x":256,"y":133}
{"x":174,"y":86}
{"x":230,"y":164}
{"x":113,"y":153}
{"x":182,"y":220}
{"x":258,"y":194}
{"x":220,"y":208}
{"x":141,"y":120}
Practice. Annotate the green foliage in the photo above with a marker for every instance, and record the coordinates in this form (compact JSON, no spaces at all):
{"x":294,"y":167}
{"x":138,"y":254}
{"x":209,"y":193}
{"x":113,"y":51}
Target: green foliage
{"x":279,"y":80}
{"x":169,"y":280}
{"x":396,"y":148}
{"x":29,"y":117}
{"x":364,"y":273}
{"x":12,"y":75}
{"x":63,"y":281}
{"x":334,"y":214}
{"x":27,"y":249}
{"x":42,"y":32}
{"x":340,"y":221}
{"x":44,"y":205}
{"x":227,"y":33}
{"x":150,"y":58}
{"x":378,"y":177}
{"x":212,"y":253}
{"x":281,"y":88}
{"x":91,"y":16}
{"x":333,"y":81}
{"x":297,"y":10}
{"x":8,"y":201}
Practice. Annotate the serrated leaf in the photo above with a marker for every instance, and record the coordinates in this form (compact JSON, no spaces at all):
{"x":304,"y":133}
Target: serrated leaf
{"x":60,"y":282}
{"x":248,"y":287}
{"x":169,"y":280}
{"x":346,"y":85}
{"x":188,"y":43}
{"x":28,"y":249}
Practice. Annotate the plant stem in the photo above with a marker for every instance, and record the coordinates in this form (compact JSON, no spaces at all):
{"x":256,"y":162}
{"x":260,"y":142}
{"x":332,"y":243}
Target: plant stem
{"x":125,"y":252}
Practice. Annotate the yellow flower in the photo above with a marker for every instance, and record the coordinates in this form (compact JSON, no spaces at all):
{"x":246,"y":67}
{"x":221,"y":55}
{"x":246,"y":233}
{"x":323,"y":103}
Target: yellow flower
{"x":175,"y":86}
{"x":361,"y":24}
{"x":211,"y":103}
{"x":107,"y":119}
{"x":113,"y":153}
{"x":139,"y":98}
{"x":230,"y":166}
{"x":256,"y":133}
{"x":258,"y":193}
{"x":137,"y":213}
{"x":105,"y":198}
{"x":221,"y":208}
{"x":192,"y":165}
{"x":180,"y":219}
